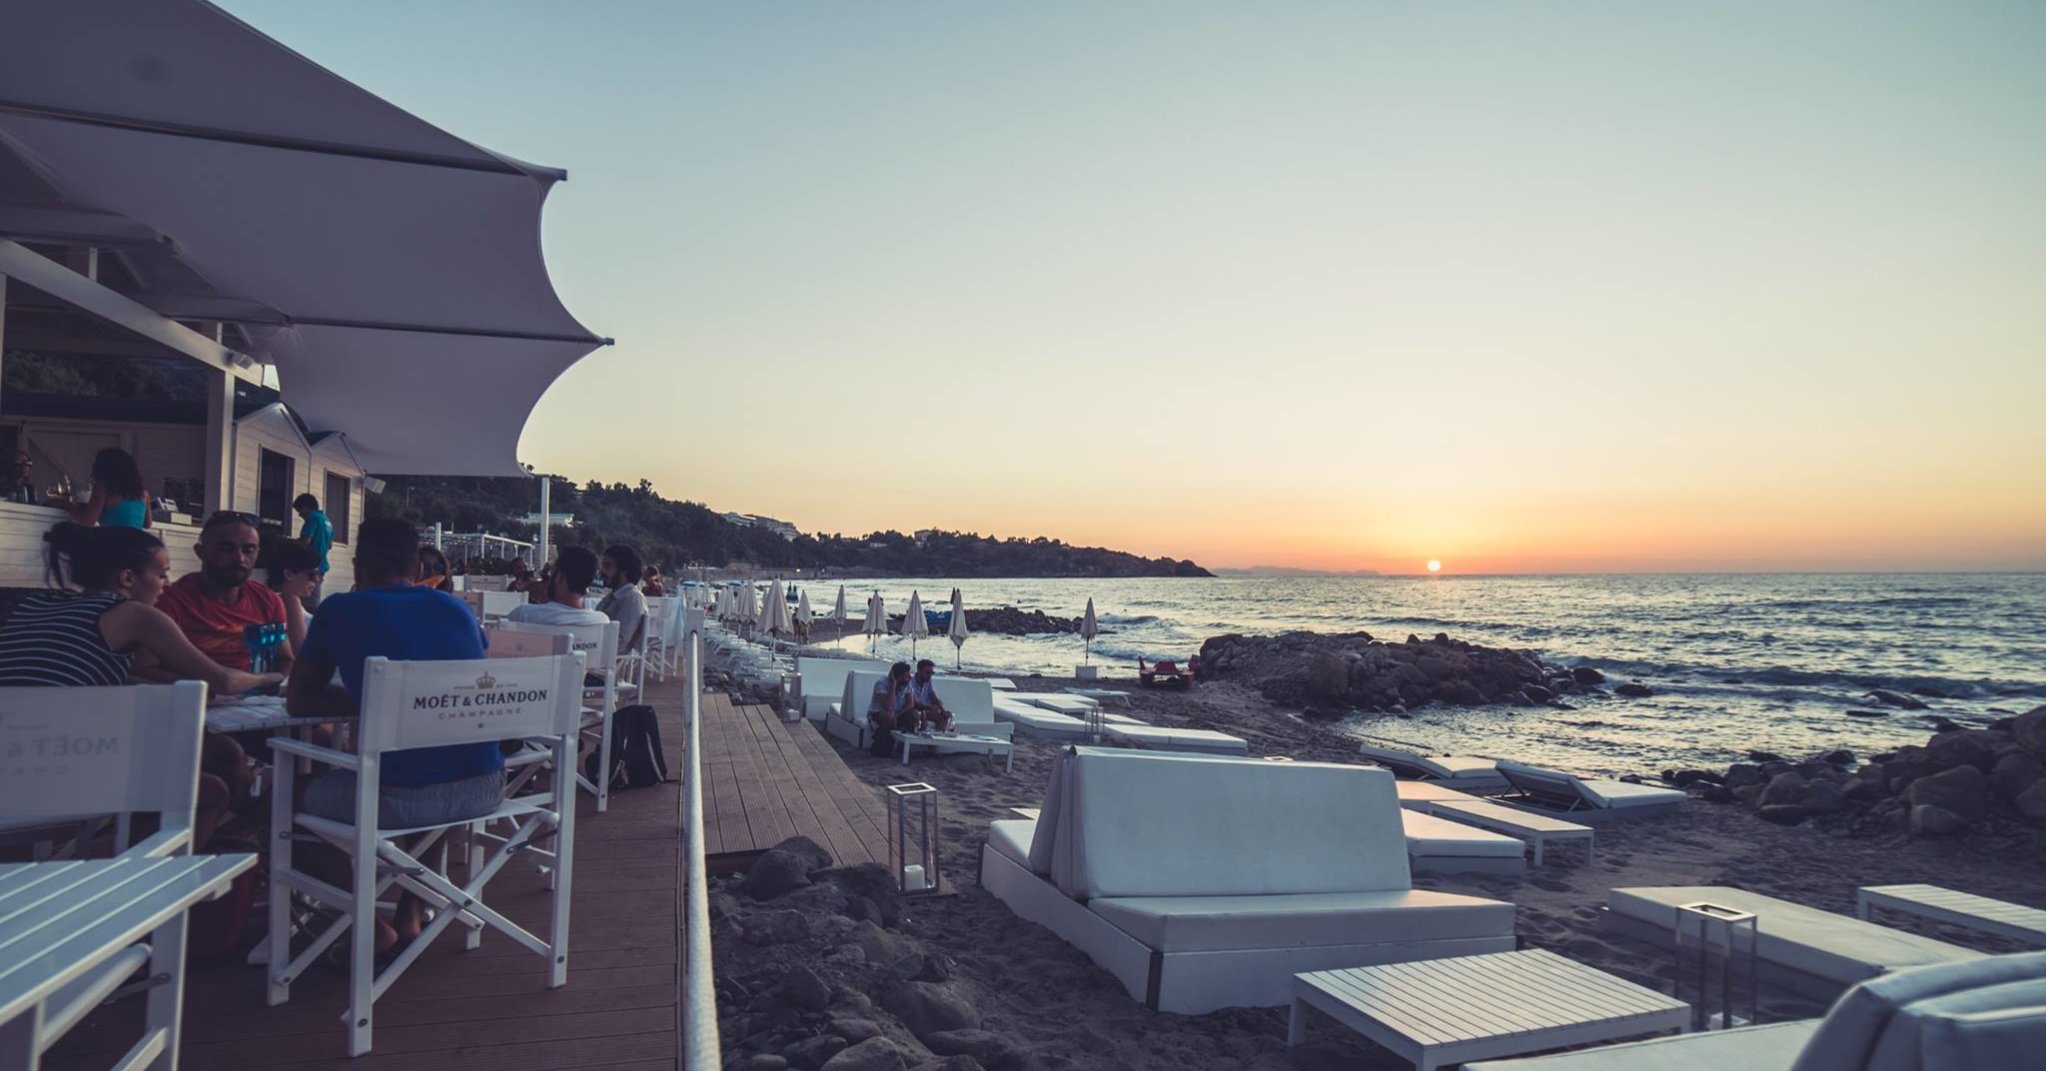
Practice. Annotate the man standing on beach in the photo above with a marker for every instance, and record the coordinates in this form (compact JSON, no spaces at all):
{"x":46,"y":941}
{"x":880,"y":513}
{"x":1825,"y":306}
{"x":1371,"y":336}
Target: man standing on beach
{"x":923,"y":699}
{"x":316,"y":532}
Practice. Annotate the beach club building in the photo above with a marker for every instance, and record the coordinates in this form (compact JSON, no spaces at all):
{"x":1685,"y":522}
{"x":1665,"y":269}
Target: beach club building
{"x":254,"y":276}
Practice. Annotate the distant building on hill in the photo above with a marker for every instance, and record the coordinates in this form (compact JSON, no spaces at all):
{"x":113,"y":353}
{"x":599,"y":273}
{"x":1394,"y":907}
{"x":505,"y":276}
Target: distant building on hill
{"x":753,"y":520}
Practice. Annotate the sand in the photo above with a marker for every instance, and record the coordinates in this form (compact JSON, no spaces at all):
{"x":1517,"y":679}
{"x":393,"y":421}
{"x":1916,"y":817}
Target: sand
{"x":1048,"y":998}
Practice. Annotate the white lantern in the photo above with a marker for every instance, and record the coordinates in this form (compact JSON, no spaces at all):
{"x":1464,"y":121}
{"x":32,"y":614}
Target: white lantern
{"x":913,"y":838}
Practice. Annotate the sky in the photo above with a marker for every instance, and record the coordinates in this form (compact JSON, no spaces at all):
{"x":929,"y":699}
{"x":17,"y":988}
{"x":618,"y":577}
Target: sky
{"x":1520,"y":287}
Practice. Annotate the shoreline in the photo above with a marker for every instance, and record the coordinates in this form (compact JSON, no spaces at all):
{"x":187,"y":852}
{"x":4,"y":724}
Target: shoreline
{"x":1045,"y":999}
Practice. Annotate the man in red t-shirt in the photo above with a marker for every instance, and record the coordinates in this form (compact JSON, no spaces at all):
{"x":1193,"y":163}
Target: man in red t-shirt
{"x":214,"y":605}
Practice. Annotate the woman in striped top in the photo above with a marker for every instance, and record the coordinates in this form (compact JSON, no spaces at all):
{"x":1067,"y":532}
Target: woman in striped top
{"x":101,"y":614}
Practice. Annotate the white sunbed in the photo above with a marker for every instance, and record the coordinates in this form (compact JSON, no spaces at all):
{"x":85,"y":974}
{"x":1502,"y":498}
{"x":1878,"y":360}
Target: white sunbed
{"x":1804,"y":949}
{"x":1439,"y":846}
{"x":1166,"y":738}
{"x":1072,"y":706}
{"x":1464,"y":772}
{"x":1592,"y":800}
{"x":1979,"y":913}
{"x":1036,"y":721}
{"x":1987,"y":1014}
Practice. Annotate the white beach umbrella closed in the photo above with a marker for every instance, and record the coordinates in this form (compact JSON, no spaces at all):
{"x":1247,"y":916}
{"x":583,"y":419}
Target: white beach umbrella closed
{"x":803,"y":614}
{"x":1088,"y":630}
{"x":838,"y":614}
{"x":957,"y":633}
{"x":877,"y":619}
{"x":913,"y":624}
{"x":774,"y":615}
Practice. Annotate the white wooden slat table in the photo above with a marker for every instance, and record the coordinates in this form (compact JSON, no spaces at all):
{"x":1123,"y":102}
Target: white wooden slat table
{"x":1537,"y":830}
{"x":1446,"y":1011}
{"x":1980,"y":913}
{"x":73,"y":931}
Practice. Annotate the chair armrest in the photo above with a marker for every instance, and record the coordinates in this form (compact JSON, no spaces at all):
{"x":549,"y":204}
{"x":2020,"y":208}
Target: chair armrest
{"x":163,"y":845}
{"x":316,"y":753}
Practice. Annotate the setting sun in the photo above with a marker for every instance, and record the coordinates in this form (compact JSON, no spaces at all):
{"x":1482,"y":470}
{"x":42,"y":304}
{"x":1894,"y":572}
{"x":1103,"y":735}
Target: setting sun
{"x":1434,"y":566}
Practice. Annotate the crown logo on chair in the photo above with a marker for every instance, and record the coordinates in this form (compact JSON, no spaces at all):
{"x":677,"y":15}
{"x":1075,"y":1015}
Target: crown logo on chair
{"x":486,"y":681}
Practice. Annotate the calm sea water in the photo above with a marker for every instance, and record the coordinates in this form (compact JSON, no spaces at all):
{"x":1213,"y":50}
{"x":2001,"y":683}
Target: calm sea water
{"x":1737,"y":662}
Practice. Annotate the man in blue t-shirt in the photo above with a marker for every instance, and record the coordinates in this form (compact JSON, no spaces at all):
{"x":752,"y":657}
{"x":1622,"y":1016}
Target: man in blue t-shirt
{"x":316,"y":532}
{"x":388,"y":615}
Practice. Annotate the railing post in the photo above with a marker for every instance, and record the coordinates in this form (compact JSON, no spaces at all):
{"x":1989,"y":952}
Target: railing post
{"x":699,"y":1020}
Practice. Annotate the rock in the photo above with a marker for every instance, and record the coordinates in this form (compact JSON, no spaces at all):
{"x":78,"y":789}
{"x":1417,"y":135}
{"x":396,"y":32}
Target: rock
{"x":980,"y":1044}
{"x":880,"y":945}
{"x":1964,"y":790}
{"x":1328,"y":677}
{"x":951,"y":1063}
{"x":1748,"y":793}
{"x":812,"y":1053}
{"x":804,"y":989}
{"x":854,"y":1030}
{"x":1741,"y":774}
{"x":1684,"y":778}
{"x":1889,"y":698}
{"x":1783,"y":814}
{"x":1930,"y":821}
{"x":1634,"y":690}
{"x":766,"y":1061}
{"x":1537,"y":694}
{"x":808,"y":850}
{"x":827,"y":899}
{"x":2031,"y":804}
{"x":872,"y":881}
{"x":873,"y":1054}
{"x":776,"y":873}
{"x":1764,"y":756}
{"x":1966,"y":747}
{"x":1784,"y":789}
{"x":1586,"y":675}
{"x":2028,"y":730}
{"x":1942,"y":724}
{"x":1838,"y":757}
{"x":775,"y":928}
{"x":929,"y":1007}
{"x":1824,"y":797}
{"x":1868,"y":783}
{"x":1711,"y":793}
{"x":2014,"y":773}
{"x":1868,"y":713}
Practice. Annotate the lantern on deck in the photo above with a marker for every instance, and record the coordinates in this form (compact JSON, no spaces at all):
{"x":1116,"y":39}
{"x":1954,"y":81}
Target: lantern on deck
{"x":913,"y":838}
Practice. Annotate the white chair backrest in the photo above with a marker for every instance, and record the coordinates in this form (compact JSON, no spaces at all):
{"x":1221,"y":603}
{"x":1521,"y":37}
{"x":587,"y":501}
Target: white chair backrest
{"x":496,"y":604}
{"x":510,"y":643}
{"x":408,"y":705}
{"x":598,"y":644}
{"x":72,"y":751}
{"x":826,"y":676}
{"x":489,"y":583}
{"x":1547,"y":784}
{"x":859,"y":694}
{"x":972,"y":702}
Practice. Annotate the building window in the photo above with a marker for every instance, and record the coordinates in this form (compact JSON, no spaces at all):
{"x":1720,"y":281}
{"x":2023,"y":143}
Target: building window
{"x":335,"y":502}
{"x":274,"y":487}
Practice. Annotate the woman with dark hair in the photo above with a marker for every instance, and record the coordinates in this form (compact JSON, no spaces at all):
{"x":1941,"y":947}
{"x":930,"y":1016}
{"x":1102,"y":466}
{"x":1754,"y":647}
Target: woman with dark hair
{"x":118,"y":498}
{"x":433,"y":568}
{"x":294,"y":576}
{"x":620,"y":567}
{"x":87,"y":631}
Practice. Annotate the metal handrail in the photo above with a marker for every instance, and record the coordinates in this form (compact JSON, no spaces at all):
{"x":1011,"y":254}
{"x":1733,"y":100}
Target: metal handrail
{"x":699,"y":1020}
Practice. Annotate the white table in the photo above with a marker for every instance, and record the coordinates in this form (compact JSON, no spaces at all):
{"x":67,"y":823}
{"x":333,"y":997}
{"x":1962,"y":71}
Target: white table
{"x":1537,"y":830}
{"x":72,"y":932}
{"x":1980,"y":913}
{"x":1447,"y":1011}
{"x":956,"y":742}
{"x":254,"y":713}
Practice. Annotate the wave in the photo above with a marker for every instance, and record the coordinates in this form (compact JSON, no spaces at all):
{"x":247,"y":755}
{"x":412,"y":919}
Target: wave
{"x":1786,"y":676}
{"x":1127,"y":619}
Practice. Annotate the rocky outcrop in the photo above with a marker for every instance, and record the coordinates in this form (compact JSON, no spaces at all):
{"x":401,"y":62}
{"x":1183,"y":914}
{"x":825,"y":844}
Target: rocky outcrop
{"x":1342,"y":673}
{"x":1010,"y":621}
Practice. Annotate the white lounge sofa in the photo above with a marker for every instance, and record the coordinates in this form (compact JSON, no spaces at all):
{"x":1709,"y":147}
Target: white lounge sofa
{"x":1072,"y":706}
{"x":1439,"y":846}
{"x":1987,"y":1014}
{"x":1808,"y":951}
{"x":970,"y":701}
{"x":1167,"y":738}
{"x":1588,"y":800}
{"x":1465,"y":773}
{"x":824,"y":681}
{"x":1173,"y":873}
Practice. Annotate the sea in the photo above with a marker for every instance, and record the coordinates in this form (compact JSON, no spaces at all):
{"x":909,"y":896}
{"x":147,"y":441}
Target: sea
{"x":1737,"y":662}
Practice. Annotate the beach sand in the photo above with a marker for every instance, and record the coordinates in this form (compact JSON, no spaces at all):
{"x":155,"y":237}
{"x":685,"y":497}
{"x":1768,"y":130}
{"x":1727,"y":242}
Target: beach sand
{"x":1046,"y":998}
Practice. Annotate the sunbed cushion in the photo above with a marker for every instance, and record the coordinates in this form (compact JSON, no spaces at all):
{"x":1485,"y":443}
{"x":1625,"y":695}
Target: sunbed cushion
{"x":1432,"y":837}
{"x":1151,"y":824}
{"x":1039,"y":721}
{"x":1836,"y":947}
{"x":1167,"y":738}
{"x":1753,"y":1048}
{"x":1217,"y":923}
{"x":1862,"y":1017}
{"x":1610,"y":795}
{"x":1070,"y":705}
{"x":1619,"y":795}
{"x":1431,"y":792}
{"x":1012,"y":837}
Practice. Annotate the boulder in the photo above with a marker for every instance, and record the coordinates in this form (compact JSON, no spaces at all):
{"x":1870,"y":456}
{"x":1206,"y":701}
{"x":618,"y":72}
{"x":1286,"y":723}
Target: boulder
{"x":1837,"y":757}
{"x":1536,"y":694}
{"x":809,"y":850}
{"x":765,"y":1061}
{"x":1764,"y":756}
{"x":951,"y":1063}
{"x":1685,"y":778}
{"x":854,"y":1030}
{"x":872,"y":882}
{"x":988,"y":1048}
{"x":873,"y":1054}
{"x":776,"y":873}
{"x":879,"y":945}
{"x":2014,"y":773}
{"x":1634,"y":690}
{"x":803,"y":989}
{"x":1586,"y":675}
{"x":2031,"y":804}
{"x":1930,"y":821}
{"x":1742,"y":774}
{"x":1889,"y":698}
{"x":2029,"y":731}
{"x":775,"y":928}
{"x":1328,"y":676}
{"x":927,"y":1008}
{"x":1710,"y":792}
{"x":1785,"y":788}
{"x":1868,"y":783}
{"x":1965,"y":747}
{"x":1964,"y":790}
{"x":1783,"y":814}
{"x":1825,"y":797}
{"x":1748,"y":794}
{"x":813,"y":1053}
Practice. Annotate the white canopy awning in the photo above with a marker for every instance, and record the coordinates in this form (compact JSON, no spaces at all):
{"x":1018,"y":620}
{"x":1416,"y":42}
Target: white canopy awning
{"x":360,"y":249}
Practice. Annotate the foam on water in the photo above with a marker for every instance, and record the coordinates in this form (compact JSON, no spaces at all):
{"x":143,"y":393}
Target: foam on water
{"x":1737,"y":662}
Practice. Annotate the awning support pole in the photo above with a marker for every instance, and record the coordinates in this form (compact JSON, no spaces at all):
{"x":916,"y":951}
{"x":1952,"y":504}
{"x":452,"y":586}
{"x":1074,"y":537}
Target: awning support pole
{"x":219,"y":474}
{"x":546,"y":516}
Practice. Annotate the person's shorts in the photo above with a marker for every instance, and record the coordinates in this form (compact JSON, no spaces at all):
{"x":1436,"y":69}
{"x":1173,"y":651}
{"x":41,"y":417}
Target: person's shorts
{"x":332,"y":795}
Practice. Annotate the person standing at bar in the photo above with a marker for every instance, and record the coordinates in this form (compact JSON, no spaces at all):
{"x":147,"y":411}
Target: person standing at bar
{"x":317,"y":533}
{"x":118,"y":498}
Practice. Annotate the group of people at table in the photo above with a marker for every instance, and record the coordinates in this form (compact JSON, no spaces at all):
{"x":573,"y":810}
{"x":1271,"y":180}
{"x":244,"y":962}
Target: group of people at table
{"x":114,"y":616}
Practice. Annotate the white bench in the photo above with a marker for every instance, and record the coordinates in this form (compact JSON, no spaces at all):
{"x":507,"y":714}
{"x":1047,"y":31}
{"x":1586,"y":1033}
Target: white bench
{"x":1166,"y":738}
{"x":971,"y":702}
{"x":1037,"y":721}
{"x":824,"y":681}
{"x":1999,"y":917}
{"x":1535,"y":829}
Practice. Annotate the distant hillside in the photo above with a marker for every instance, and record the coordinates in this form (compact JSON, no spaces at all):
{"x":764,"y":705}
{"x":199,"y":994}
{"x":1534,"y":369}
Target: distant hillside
{"x":677,"y":534}
{"x":1287,"y":570}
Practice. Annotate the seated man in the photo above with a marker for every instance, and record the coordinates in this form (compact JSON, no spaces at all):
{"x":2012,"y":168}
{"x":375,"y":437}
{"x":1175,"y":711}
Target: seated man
{"x":389,"y":615}
{"x":923,"y":698}
{"x":215,"y":606}
{"x":892,"y":708}
{"x":558,"y":598}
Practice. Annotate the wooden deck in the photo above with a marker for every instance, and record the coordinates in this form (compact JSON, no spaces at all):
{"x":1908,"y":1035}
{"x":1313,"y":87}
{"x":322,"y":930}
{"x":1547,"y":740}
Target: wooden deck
{"x":766,"y":780}
{"x":490,"y":1010}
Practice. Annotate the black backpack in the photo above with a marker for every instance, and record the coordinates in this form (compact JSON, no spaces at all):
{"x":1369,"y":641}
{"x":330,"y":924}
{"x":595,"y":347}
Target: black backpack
{"x":636,"y":758}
